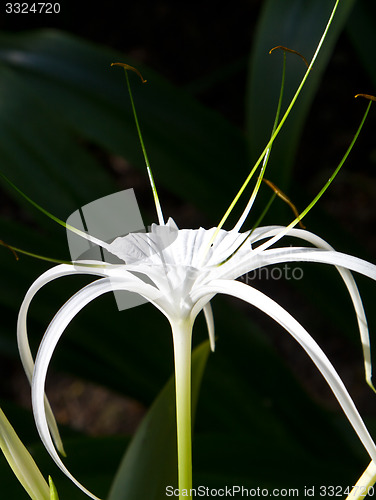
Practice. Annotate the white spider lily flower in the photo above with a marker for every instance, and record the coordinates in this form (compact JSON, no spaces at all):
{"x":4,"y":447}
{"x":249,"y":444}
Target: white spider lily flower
{"x":182,"y":274}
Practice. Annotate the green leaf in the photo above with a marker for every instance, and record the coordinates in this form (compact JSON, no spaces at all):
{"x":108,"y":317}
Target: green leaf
{"x":21,"y":462}
{"x":53,"y":490}
{"x":93,"y":460}
{"x":150,"y":462}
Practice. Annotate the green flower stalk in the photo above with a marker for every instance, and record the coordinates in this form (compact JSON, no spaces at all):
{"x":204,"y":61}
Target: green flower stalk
{"x":182,"y":335}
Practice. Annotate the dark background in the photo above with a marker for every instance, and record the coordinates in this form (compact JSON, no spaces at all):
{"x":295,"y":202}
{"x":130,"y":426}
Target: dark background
{"x":205,"y":49}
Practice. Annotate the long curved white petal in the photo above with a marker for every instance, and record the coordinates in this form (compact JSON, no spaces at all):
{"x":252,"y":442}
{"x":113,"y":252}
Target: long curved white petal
{"x":53,"y":333}
{"x":22,"y":337}
{"x":45,"y":278}
{"x":208,"y":312}
{"x":349,"y":282}
{"x":281,"y":316}
{"x":304,"y":254}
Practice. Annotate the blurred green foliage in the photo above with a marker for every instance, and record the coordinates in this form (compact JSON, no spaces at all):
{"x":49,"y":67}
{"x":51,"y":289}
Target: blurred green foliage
{"x":64,"y":116}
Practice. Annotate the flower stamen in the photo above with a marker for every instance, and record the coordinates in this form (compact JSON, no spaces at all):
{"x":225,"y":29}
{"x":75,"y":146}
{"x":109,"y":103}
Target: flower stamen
{"x":366,"y":96}
{"x":12,"y":249}
{"x":281,"y":123}
{"x":292,"y":51}
{"x":71,"y":228}
{"x":285,"y":198}
{"x":146,"y":158}
{"x":300,"y":216}
{"x":278,"y":236}
{"x":131,"y":68}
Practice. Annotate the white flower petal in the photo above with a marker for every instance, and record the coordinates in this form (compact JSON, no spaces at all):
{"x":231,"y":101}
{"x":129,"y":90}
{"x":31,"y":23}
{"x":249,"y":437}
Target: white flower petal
{"x":208,"y":312}
{"x":53,"y":333}
{"x":262,"y":232}
{"x":342,"y":262}
{"x":304,"y":254}
{"x":45,"y":278}
{"x":267,"y":257}
{"x":354,"y":294}
{"x":281,"y":316}
{"x":168,"y":246}
{"x":22,"y":337}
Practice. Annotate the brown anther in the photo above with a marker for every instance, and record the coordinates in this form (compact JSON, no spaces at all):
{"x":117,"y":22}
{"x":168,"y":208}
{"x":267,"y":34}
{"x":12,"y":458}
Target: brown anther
{"x":9,"y":248}
{"x":286,"y":49}
{"x":286,"y":199}
{"x":366,"y":96}
{"x":131,"y":68}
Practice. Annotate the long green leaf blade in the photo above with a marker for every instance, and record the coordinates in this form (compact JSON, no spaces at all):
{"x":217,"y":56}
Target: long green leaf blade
{"x":21,"y":462}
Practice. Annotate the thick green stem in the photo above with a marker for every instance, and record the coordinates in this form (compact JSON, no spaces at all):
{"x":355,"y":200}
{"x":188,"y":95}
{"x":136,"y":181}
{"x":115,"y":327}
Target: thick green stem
{"x":182,"y":337}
